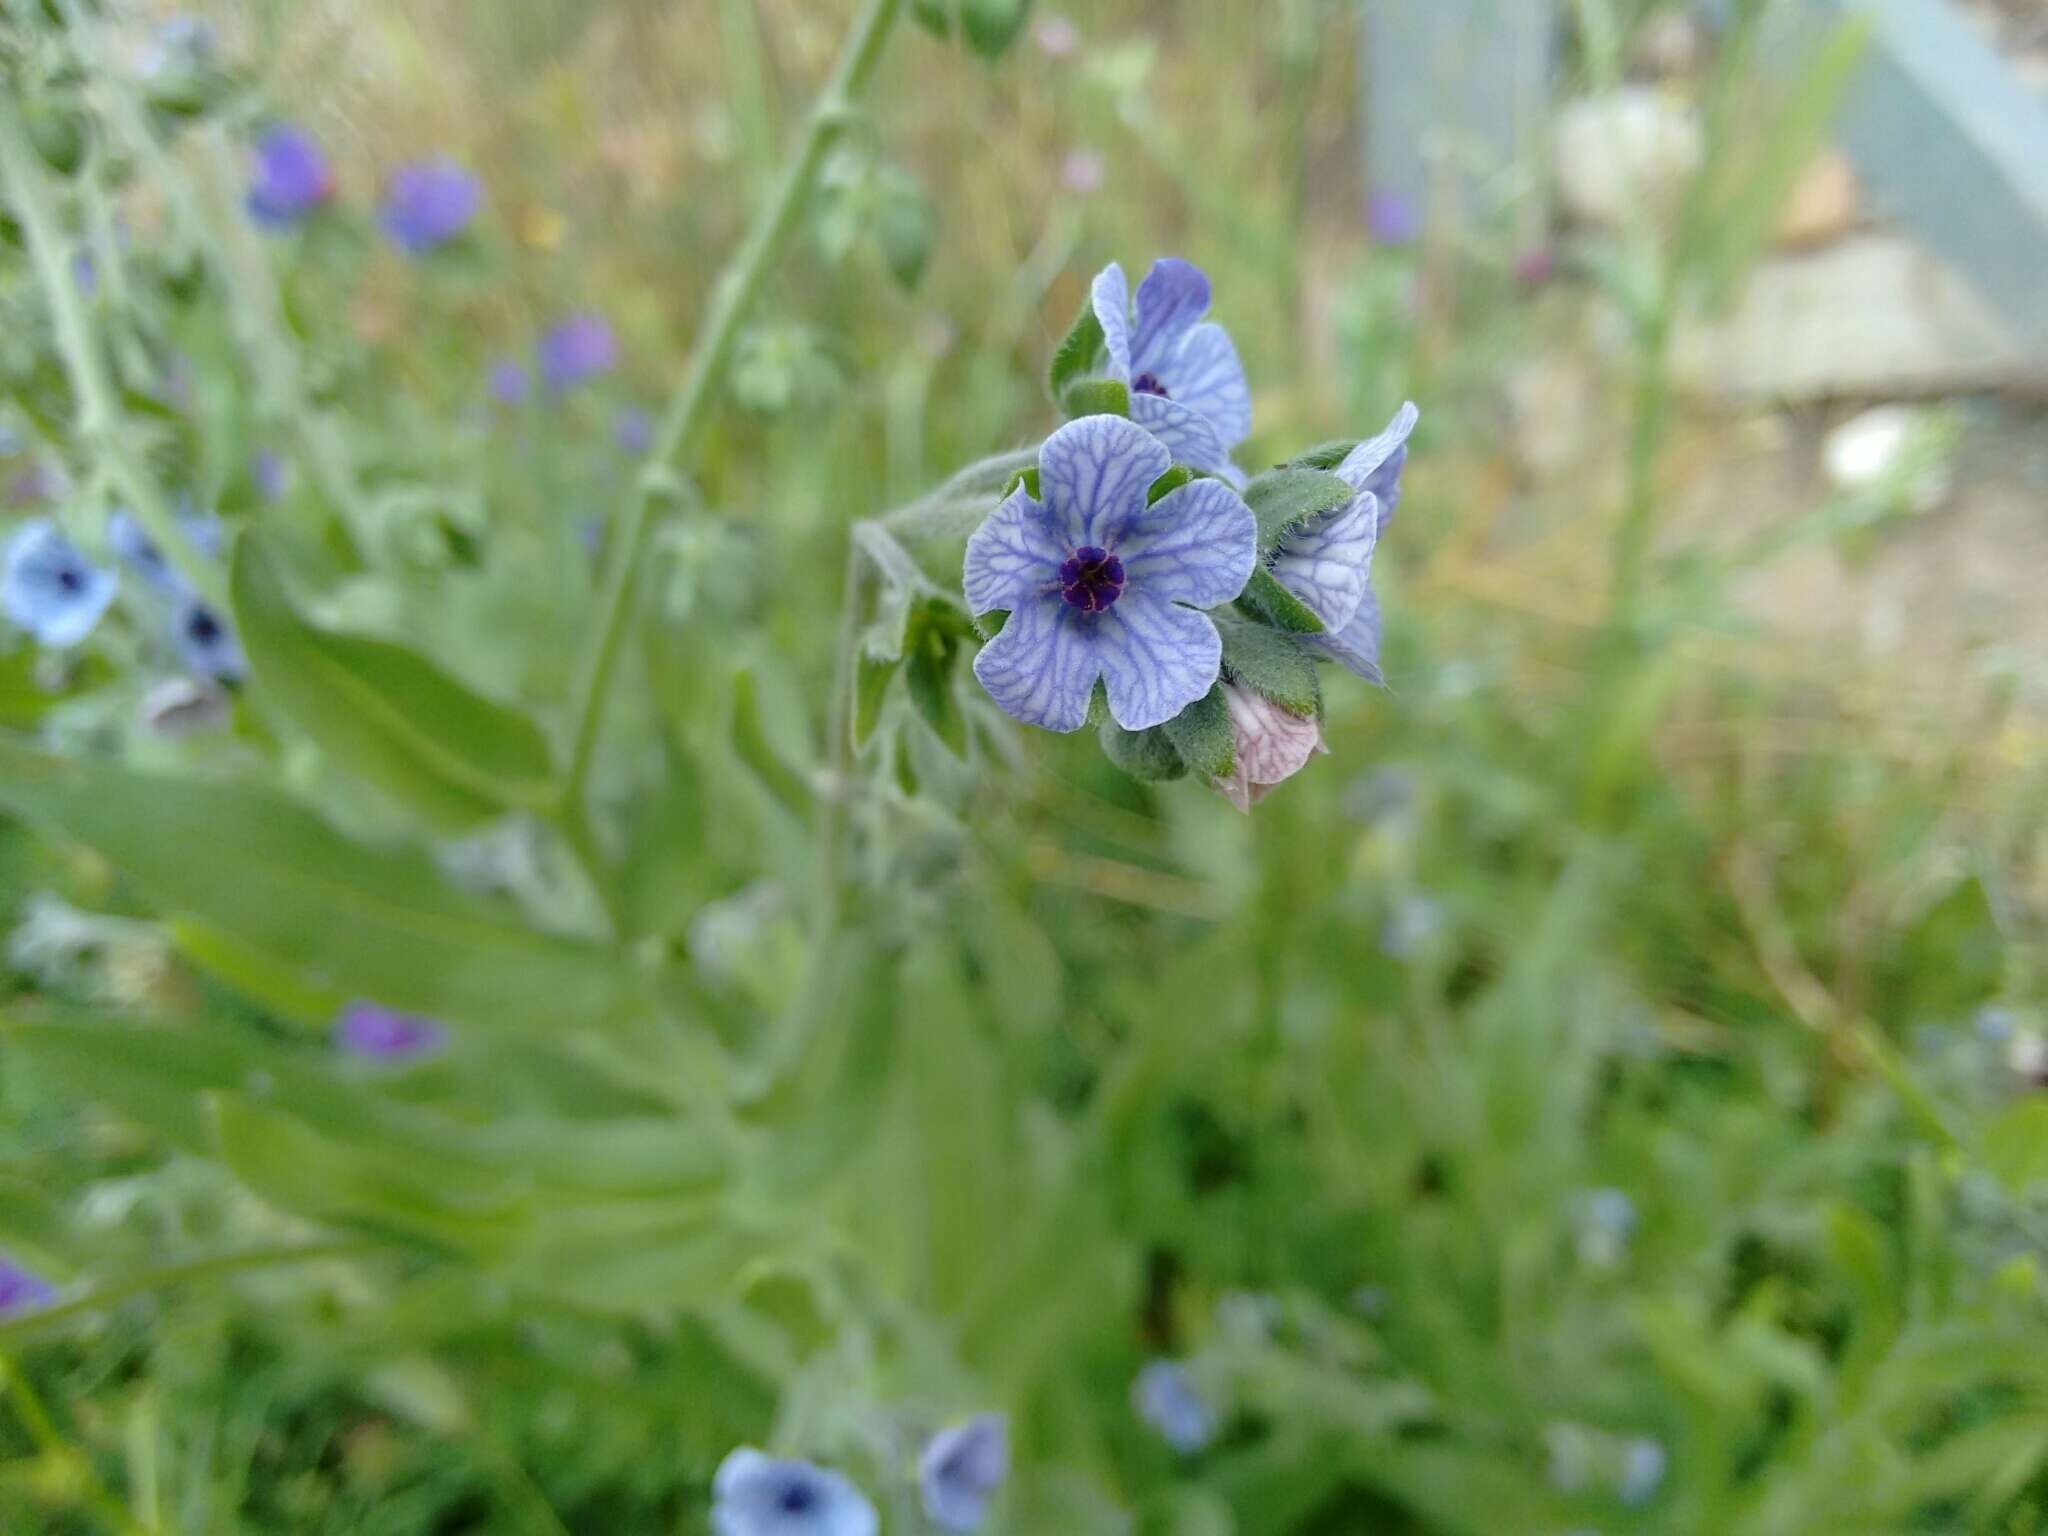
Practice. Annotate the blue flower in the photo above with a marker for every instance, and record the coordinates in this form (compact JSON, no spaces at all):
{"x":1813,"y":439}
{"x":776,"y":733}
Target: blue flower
{"x":369,"y":1029}
{"x":428,"y":203}
{"x":754,"y":1494}
{"x":270,"y":473}
{"x":633,"y":430}
{"x":136,"y":549}
{"x":1166,"y":1399}
{"x":1327,"y":561}
{"x":509,"y":381}
{"x":960,"y":1468}
{"x":49,"y":588}
{"x":1605,"y":1223}
{"x":289,"y":176}
{"x":1095,"y":580}
{"x":1642,"y":1471}
{"x":577,"y":350}
{"x":1187,"y":386}
{"x":207,"y":642}
{"x":1392,"y":218}
{"x":20,"y":1289}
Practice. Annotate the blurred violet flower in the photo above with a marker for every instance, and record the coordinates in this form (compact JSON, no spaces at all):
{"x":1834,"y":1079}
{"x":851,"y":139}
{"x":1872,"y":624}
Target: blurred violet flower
{"x":1327,"y":560}
{"x":370,"y":1029}
{"x":428,"y":203}
{"x":577,"y":350}
{"x":633,"y":430}
{"x":1055,"y":36}
{"x":289,"y":176}
{"x":270,"y":473}
{"x":508,"y":381}
{"x":1392,"y":218}
{"x":1269,"y":745}
{"x":136,"y":549}
{"x":755,"y":1494}
{"x":49,"y":588}
{"x":1643,"y":1464}
{"x":1187,"y":386}
{"x":1165,"y":1398}
{"x":1099,"y":584}
{"x":1082,"y":171}
{"x":206,"y":642}
{"x":21,"y":1289}
{"x":85,"y":274}
{"x":960,"y":1468}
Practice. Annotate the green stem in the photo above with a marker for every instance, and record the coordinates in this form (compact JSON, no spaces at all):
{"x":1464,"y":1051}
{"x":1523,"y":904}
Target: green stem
{"x":1648,"y":416}
{"x":689,"y":408}
{"x":99,"y":427}
{"x":51,"y":1442}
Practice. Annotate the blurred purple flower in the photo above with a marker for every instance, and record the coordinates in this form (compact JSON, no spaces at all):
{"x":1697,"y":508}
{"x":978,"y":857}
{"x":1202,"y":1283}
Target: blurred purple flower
{"x":84,"y":273}
{"x":1187,"y":387}
{"x":509,"y":381}
{"x":271,"y":474}
{"x":19,"y":1288}
{"x":49,"y":588}
{"x":428,"y":203}
{"x":289,"y":176}
{"x":1055,"y":36}
{"x":1165,"y":1398}
{"x":1392,"y":218}
{"x":754,"y":1494}
{"x":136,"y":549}
{"x":370,"y":1029}
{"x":1099,"y":583}
{"x":1081,"y":172}
{"x":1536,"y":266}
{"x":960,"y":1468}
{"x":633,"y":430}
{"x":577,"y":350}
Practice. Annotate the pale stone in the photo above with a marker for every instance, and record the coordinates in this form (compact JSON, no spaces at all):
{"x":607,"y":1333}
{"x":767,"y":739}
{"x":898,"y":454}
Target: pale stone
{"x":1624,"y":151}
{"x":1825,"y":202}
{"x":1891,"y":447}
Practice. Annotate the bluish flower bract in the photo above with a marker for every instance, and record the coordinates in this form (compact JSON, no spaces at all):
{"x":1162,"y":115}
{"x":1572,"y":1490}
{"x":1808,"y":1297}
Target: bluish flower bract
{"x":755,"y":1494}
{"x":1166,"y":1399}
{"x":577,"y":350}
{"x":289,"y":176}
{"x":1187,"y":386}
{"x":49,"y":588}
{"x":428,"y":203}
{"x":21,"y":1288}
{"x":1098,"y":584}
{"x":960,"y":1468}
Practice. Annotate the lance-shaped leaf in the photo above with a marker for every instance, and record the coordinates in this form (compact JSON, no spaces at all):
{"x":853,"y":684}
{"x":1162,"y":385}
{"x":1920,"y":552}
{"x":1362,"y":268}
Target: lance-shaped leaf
{"x":1271,"y":661}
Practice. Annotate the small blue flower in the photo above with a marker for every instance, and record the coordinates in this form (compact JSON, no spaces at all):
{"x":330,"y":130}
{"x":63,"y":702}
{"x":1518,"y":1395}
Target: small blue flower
{"x":576,"y":351}
{"x":508,"y":381}
{"x":1166,"y":1398}
{"x":1393,"y":218}
{"x":1643,"y":1464}
{"x":754,"y":1494}
{"x":49,"y":588}
{"x":960,"y":1468}
{"x":270,"y":473}
{"x":1100,"y":585}
{"x":369,"y":1029}
{"x":633,"y":430}
{"x":85,"y":273}
{"x":289,"y":176}
{"x":1327,"y":561}
{"x":136,"y":549}
{"x":1187,"y":387}
{"x":20,"y":1289}
{"x":428,"y":203}
{"x":206,"y":641}
{"x":1605,"y":1223}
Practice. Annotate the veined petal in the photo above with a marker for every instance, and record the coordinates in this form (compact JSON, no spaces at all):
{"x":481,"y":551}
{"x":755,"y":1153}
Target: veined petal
{"x":1207,"y":377}
{"x":1328,"y":562}
{"x":1156,"y":657}
{"x":1375,"y":464}
{"x":1174,"y":295}
{"x":1041,"y":668}
{"x":1094,"y":473}
{"x":1014,"y":554}
{"x":1269,"y":744}
{"x":1357,"y":645}
{"x":1190,"y":437}
{"x":1110,"y":294}
{"x":1196,"y":544}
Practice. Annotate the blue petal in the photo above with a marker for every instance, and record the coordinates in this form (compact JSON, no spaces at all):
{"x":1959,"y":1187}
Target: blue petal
{"x":1156,"y":657}
{"x":1328,"y":562}
{"x":1194,"y":545}
{"x":49,"y":588}
{"x":1375,"y":464}
{"x":1190,"y":437}
{"x":1110,"y":294}
{"x":960,"y":1468}
{"x":1094,"y":473}
{"x":1013,"y":555}
{"x":1041,"y":668}
{"x":1207,"y":377}
{"x":752,"y":1496}
{"x":1357,"y":644}
{"x":1174,"y":295}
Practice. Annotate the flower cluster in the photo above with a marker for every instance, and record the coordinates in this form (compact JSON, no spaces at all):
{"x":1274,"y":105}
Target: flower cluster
{"x":1138,"y":577}
{"x":958,"y":1473}
{"x":204,"y":640}
{"x":427,"y":203}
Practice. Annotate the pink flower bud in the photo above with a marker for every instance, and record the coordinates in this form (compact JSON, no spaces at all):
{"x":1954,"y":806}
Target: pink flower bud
{"x":1269,"y":745}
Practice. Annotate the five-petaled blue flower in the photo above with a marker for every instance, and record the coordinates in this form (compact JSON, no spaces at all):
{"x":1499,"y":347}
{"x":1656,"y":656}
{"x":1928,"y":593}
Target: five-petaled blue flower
{"x":1327,"y":561}
{"x":1187,"y":387}
{"x":428,"y":203}
{"x":578,"y":349}
{"x":960,"y":1468}
{"x":754,"y":1494}
{"x":1167,"y":1400}
{"x":289,"y":176}
{"x":49,"y":588}
{"x":206,"y":642}
{"x":1095,"y":581}
{"x":370,"y":1029}
{"x":19,"y":1288}
{"x":127,"y":538}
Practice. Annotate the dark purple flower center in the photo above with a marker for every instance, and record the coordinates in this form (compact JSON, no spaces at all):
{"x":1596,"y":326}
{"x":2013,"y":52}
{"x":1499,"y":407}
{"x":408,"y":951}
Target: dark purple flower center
{"x":1148,"y":384}
{"x":70,"y":578}
{"x":1091,"y":579}
{"x":797,"y":1497}
{"x":203,"y":626}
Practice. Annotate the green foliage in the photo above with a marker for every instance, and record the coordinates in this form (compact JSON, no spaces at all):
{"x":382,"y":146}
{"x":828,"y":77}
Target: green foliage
{"x":1077,"y":354}
{"x":1147,"y":756}
{"x":1201,"y":735}
{"x":1271,"y":661}
{"x":1096,"y":397}
{"x":1282,"y":499}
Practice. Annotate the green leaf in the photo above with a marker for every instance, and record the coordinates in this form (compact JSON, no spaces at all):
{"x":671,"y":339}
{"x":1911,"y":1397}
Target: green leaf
{"x":371,"y":922}
{"x":1147,"y":755}
{"x":258,"y":977}
{"x":1271,"y":661}
{"x":1269,"y":600}
{"x":937,"y":630}
{"x":1096,"y":397}
{"x":1282,"y":498}
{"x":1324,"y":455}
{"x":906,"y":226}
{"x":871,"y":677}
{"x":1202,"y":736}
{"x":935,"y":16}
{"x":1075,"y":356}
{"x":1026,"y":477}
{"x":385,"y":714}
{"x":2014,"y":1145}
{"x":1169,"y":482}
{"x":991,"y":26}
{"x":751,"y":742}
